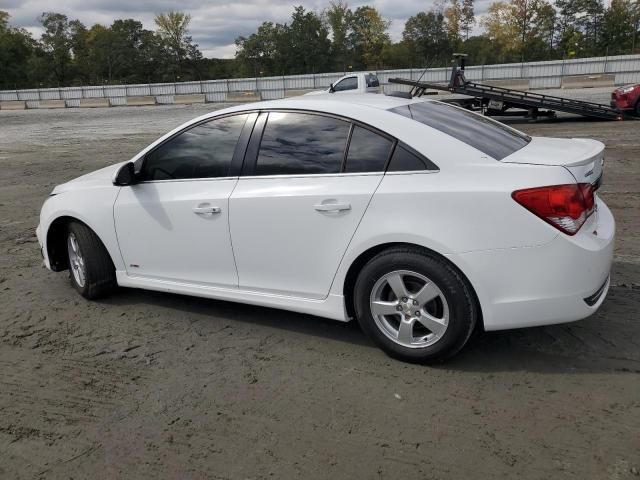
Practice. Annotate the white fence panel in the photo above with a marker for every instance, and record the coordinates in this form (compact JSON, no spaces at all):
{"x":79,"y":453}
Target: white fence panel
{"x":546,"y":74}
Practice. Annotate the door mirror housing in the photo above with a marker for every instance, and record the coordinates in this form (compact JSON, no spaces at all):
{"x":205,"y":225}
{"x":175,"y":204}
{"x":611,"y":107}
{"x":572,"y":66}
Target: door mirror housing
{"x":126,"y":175}
{"x":331,"y":88}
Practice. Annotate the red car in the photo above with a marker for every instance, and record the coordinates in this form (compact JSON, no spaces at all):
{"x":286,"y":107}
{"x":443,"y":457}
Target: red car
{"x":627,"y":99}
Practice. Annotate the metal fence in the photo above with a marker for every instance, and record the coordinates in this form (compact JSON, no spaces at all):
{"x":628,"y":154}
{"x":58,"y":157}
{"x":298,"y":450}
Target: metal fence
{"x":549,"y":74}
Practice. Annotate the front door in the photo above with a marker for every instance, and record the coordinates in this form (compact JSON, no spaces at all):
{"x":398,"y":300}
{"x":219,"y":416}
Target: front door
{"x":174,"y":224}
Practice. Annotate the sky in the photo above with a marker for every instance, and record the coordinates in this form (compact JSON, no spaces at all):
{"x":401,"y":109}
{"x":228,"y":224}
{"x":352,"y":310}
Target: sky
{"x":215,"y":24}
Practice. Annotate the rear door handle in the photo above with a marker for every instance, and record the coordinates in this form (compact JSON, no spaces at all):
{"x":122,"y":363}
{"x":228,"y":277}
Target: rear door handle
{"x":206,"y":210}
{"x":332,"y":207}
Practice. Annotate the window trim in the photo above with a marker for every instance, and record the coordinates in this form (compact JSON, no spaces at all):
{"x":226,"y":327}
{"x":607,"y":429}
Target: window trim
{"x":239,"y":152}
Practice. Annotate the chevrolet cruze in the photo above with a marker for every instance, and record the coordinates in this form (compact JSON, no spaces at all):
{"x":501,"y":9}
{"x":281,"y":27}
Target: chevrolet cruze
{"x":419,"y":219}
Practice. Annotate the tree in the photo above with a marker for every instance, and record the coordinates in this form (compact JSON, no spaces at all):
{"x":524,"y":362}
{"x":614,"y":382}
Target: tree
{"x":426,"y":34}
{"x":453,"y":14}
{"x":16,"y":47}
{"x":308,"y":42}
{"x":339,"y":16}
{"x":173,"y":30}
{"x":467,"y":18}
{"x":263,"y":51}
{"x":520,"y":27}
{"x":56,"y":42}
{"x":620,"y":25}
{"x":368,"y":36}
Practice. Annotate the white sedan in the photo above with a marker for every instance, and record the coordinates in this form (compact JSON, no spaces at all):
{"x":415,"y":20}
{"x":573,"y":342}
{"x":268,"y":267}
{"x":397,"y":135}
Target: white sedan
{"x":421,"y":220}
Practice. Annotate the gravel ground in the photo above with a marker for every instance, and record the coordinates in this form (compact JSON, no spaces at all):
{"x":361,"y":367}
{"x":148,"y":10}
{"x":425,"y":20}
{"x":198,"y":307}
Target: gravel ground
{"x":149,"y":385}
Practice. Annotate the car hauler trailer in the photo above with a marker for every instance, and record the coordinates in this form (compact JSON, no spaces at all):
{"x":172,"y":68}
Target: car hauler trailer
{"x":497,"y":100}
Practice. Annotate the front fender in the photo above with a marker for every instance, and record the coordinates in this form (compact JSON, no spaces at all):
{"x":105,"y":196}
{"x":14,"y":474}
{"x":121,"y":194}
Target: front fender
{"x":94,"y":208}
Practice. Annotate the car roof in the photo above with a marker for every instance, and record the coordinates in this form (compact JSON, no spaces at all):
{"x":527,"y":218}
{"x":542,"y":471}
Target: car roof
{"x":356,"y":105}
{"x":321,"y":101}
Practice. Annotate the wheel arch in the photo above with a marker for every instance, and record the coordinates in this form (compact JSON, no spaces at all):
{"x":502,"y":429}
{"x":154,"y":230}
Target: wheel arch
{"x":56,"y":243}
{"x":361,"y":260}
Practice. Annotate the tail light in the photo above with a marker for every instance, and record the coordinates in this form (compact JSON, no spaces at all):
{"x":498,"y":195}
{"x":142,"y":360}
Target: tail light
{"x":566,"y":207}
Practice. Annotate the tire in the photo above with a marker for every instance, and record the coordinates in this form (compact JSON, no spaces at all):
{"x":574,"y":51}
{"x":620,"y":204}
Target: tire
{"x":91,"y":269}
{"x":638,"y":108}
{"x":452,"y":309}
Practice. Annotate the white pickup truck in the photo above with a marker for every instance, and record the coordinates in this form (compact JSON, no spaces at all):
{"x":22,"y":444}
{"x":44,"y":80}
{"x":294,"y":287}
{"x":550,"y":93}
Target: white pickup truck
{"x":353,"y":83}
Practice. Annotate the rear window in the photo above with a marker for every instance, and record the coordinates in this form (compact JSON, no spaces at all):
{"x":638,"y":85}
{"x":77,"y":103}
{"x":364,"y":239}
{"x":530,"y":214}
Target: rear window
{"x":372,"y":80}
{"x":488,"y":136}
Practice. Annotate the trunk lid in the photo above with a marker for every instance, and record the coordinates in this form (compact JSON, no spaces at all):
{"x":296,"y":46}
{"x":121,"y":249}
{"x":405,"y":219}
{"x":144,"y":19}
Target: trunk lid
{"x":584,"y":158}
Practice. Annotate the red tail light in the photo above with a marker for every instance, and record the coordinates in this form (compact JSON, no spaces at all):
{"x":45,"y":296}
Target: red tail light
{"x":566,"y":207}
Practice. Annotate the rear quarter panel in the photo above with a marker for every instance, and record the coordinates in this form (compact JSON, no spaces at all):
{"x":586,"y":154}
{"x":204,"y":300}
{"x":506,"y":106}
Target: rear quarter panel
{"x":461,"y":208}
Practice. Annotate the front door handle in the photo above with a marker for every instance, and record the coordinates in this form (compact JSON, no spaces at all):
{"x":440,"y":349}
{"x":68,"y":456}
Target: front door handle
{"x":332,"y":207}
{"x":206,"y":210}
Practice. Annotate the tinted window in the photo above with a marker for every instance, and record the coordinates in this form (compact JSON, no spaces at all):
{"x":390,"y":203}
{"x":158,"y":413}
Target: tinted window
{"x":368,"y":151}
{"x":372,"y":80}
{"x":301,"y":144}
{"x":350,"y":83}
{"x":405,"y":161}
{"x":204,"y":151}
{"x":488,"y":136}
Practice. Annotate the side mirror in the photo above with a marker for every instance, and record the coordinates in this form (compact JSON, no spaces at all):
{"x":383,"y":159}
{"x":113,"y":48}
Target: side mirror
{"x":126,"y":175}
{"x":331,"y":88}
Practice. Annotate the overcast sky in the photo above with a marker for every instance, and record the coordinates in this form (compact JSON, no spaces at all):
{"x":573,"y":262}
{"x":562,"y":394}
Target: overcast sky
{"x":215,"y":23}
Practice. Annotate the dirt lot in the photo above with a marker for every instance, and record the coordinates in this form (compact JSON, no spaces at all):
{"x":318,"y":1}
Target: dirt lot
{"x":147,"y":385}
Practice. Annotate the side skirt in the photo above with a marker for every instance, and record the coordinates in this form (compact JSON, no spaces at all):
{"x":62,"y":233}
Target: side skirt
{"x":331,"y":307}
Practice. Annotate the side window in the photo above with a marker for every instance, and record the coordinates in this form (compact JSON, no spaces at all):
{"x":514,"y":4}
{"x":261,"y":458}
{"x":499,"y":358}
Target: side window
{"x":404,"y":160}
{"x":368,"y":151}
{"x":204,"y":151}
{"x":301,"y":144}
{"x":350,"y":83}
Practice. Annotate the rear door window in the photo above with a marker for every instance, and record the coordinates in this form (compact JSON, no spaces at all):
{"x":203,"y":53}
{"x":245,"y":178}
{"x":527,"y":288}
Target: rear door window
{"x":301,"y":144}
{"x":490,"y":137}
{"x":368,"y":151}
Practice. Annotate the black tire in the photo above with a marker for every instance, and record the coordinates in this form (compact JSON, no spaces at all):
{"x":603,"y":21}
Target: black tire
{"x":100,"y":275}
{"x":638,"y":108}
{"x":462,"y":306}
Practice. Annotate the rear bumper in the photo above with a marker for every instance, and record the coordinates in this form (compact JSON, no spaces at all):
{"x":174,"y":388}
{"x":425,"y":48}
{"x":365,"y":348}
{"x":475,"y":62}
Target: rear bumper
{"x":564,"y":280}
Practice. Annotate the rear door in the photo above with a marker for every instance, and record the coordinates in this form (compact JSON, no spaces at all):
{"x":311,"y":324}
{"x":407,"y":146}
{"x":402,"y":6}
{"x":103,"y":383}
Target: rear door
{"x":300,"y":199}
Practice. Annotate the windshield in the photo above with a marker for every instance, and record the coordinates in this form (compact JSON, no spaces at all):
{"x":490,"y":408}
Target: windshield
{"x":490,"y":137}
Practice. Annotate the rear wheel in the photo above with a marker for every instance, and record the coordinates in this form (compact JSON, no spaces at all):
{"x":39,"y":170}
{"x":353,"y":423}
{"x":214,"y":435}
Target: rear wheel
{"x":91,"y":268}
{"x":416,"y":307}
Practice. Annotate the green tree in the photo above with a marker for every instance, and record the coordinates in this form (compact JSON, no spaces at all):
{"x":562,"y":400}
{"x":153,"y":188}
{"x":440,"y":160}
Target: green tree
{"x":338,"y":16}
{"x":16,"y":47}
{"x":308,"y":42}
{"x":368,"y":36}
{"x":173,"y":28}
{"x":522,"y":28}
{"x":427,"y":36}
{"x":619,"y":28}
{"x":56,"y":42}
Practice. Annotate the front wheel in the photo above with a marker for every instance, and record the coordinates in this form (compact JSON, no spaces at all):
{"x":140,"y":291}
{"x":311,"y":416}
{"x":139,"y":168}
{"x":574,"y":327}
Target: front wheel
{"x":415,"y":306}
{"x":92,"y":271}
